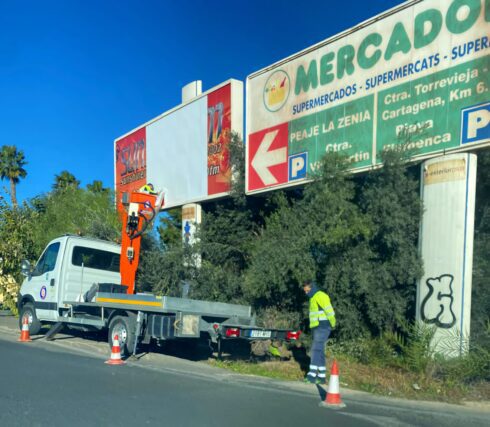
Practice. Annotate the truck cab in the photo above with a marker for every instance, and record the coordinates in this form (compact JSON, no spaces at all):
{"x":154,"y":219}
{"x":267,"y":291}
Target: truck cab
{"x":65,"y":271}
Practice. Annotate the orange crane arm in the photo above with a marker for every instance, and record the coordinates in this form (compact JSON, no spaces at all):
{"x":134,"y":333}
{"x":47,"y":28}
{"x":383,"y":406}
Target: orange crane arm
{"x":139,"y":212}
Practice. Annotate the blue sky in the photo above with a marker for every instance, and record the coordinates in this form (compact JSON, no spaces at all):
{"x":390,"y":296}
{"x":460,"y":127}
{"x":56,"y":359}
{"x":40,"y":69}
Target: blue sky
{"x":74,"y":75}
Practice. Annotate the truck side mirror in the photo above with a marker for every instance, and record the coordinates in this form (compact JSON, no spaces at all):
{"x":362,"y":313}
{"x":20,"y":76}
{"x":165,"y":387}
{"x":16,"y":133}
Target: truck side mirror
{"x":25,"y":268}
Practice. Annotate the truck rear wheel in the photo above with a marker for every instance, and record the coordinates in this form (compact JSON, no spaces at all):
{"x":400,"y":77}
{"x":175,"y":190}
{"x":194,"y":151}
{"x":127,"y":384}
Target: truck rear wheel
{"x":125,"y":329}
{"x":28,"y":311}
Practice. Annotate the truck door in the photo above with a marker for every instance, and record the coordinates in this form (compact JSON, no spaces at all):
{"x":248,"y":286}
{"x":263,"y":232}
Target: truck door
{"x":87,"y":265}
{"x":43,"y":283}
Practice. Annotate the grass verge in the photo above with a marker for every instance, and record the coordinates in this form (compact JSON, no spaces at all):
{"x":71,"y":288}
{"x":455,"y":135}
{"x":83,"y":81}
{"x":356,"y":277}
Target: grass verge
{"x":380,"y":380}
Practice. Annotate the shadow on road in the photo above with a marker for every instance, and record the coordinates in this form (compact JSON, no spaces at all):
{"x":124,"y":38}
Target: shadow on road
{"x":194,"y":350}
{"x":300,"y":356}
{"x":321,"y":392}
{"x":70,"y":332}
{"x":189,"y":349}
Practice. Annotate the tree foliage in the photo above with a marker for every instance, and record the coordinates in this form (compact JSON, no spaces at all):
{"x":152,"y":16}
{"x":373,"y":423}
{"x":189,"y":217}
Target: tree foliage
{"x":17,"y":237}
{"x":76,"y":211}
{"x":299,"y":236}
{"x":97,"y":186}
{"x":17,"y":242}
{"x":389,"y":197}
{"x":170,"y":227}
{"x":65,"y":180}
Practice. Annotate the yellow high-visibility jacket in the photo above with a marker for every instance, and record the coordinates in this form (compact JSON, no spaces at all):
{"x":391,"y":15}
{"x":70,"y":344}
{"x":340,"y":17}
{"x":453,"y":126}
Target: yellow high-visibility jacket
{"x":321,"y":309}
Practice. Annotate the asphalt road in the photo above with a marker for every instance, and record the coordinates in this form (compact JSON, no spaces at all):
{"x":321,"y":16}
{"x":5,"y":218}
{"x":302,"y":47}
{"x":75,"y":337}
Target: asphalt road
{"x":44,"y":383}
{"x":42,"y":387}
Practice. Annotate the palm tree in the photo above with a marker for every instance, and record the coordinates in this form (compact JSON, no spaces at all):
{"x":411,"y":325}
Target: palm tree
{"x":12,"y":162}
{"x":65,"y":180}
{"x":97,"y":187}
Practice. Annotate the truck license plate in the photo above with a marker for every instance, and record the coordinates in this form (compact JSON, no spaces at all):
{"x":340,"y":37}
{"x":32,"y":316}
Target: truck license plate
{"x":260,"y":334}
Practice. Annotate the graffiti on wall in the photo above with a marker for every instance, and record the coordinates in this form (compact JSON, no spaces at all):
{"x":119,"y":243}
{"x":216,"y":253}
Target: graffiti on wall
{"x":437,"y":306}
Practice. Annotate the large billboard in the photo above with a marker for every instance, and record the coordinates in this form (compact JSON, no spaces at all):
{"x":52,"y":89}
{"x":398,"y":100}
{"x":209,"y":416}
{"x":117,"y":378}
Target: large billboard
{"x":415,"y":77}
{"x":185,"y":151}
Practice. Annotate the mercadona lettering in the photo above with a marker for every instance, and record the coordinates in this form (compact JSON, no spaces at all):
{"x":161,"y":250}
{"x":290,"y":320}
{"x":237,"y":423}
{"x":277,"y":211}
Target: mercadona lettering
{"x":333,"y":65}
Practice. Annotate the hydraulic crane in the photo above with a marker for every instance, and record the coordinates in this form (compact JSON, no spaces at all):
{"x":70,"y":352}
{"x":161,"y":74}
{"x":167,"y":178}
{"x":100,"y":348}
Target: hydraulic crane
{"x":140,"y":209}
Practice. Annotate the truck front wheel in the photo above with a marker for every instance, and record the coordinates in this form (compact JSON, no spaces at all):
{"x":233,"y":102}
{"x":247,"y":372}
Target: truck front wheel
{"x":28,"y":311}
{"x":124,"y":328}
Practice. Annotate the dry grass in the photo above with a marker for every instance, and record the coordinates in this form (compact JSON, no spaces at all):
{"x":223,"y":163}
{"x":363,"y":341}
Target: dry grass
{"x":288,"y":370}
{"x":385,"y":381}
{"x":398,"y":383}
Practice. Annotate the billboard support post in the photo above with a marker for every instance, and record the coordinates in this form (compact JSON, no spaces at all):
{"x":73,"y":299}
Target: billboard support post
{"x":191,"y":220}
{"x":448,"y":187}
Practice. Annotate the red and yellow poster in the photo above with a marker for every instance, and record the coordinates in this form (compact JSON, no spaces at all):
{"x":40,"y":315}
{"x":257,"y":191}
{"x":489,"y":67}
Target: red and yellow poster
{"x":218,"y":138}
{"x":130,"y":163}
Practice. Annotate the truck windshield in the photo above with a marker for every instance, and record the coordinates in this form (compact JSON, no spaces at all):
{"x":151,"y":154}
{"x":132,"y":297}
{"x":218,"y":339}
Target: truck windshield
{"x":47,"y":261}
{"x":95,"y":258}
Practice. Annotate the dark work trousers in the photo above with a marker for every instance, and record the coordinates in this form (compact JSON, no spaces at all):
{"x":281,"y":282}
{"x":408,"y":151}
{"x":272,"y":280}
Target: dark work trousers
{"x":320,"y":337}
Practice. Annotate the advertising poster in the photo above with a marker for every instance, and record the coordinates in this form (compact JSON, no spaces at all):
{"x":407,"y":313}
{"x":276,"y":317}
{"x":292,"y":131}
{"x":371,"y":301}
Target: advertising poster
{"x":219,"y":133}
{"x":130,"y":159}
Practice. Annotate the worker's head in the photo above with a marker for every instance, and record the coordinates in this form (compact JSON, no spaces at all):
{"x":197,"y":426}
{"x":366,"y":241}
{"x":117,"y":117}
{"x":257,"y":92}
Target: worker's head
{"x":307,"y":286}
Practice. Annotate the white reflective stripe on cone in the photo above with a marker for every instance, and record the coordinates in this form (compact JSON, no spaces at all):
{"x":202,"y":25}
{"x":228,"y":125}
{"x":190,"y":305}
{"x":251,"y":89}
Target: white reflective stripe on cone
{"x":333,"y":384}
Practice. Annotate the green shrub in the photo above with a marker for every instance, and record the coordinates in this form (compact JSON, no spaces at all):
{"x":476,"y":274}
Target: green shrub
{"x":271,"y":317}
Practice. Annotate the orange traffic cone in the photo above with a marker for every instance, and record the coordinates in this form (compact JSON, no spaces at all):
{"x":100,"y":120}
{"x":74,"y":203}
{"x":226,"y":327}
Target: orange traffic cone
{"x":24,"y":333}
{"x":333,"y":399}
{"x":115,"y":353}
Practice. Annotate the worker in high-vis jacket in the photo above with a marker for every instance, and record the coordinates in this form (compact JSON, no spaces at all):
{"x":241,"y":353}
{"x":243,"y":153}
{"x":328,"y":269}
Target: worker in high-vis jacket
{"x":322,"y":321}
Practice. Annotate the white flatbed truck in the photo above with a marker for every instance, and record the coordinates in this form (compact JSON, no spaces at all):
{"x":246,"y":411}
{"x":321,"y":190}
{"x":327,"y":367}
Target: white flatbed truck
{"x":76,"y":281}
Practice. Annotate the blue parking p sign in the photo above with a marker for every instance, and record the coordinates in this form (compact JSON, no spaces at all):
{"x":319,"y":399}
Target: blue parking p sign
{"x":298,"y":165}
{"x":475,"y":123}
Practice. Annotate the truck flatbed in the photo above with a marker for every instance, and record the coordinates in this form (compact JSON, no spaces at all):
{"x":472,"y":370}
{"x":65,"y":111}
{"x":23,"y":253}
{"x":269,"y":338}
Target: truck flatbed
{"x":166,"y":304}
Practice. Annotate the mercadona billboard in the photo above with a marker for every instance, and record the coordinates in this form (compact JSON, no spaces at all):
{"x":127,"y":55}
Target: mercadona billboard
{"x":184,"y":151}
{"x":415,"y":77}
